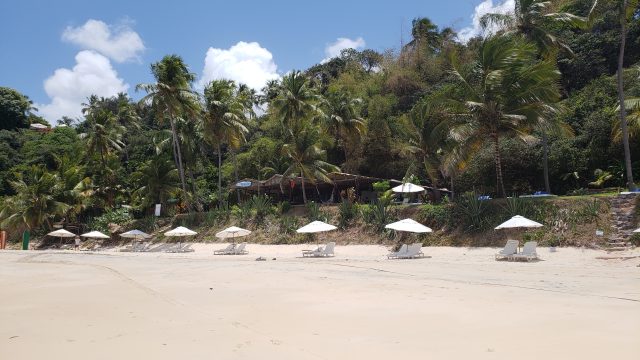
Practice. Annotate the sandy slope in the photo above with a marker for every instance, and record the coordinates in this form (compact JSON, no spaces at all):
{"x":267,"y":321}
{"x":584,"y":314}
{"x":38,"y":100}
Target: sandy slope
{"x":458,"y":304}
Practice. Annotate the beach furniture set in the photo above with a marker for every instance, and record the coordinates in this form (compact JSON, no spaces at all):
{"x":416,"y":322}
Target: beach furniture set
{"x":412,"y":251}
{"x":510,"y":251}
{"x":232,"y":249}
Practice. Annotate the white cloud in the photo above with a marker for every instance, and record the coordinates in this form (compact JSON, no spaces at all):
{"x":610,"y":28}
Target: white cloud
{"x":68,"y":89}
{"x":119,"y":42}
{"x":246,"y":63}
{"x":332,"y":50}
{"x":485,"y":7}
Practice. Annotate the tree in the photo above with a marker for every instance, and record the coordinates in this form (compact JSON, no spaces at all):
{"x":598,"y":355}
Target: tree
{"x":296,"y":102}
{"x":104,"y":133}
{"x":15,"y":109}
{"x":307,"y":158}
{"x":34,"y":203}
{"x":172,"y":98}
{"x":533,"y":19}
{"x":157,"y":180}
{"x":224,"y":118}
{"x":342,"y":120}
{"x":504,"y":93}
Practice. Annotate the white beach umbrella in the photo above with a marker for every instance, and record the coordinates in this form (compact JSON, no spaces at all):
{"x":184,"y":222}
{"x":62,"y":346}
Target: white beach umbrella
{"x":409,"y":225}
{"x":95,"y":235}
{"x":518,"y":222}
{"x":135,"y":234}
{"x":315,"y":227}
{"x":636,"y":230}
{"x":232,"y":233}
{"x":61,"y":233}
{"x":408,"y":188}
{"x":180,"y":231}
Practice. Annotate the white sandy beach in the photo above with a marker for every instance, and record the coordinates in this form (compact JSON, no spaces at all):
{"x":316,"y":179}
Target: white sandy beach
{"x":457,"y":304}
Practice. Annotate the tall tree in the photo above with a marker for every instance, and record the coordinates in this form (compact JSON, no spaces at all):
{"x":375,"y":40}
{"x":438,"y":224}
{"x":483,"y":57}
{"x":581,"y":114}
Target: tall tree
{"x":224,"y":119}
{"x":504,"y":93}
{"x":342,"y":120}
{"x":296,"y":102}
{"x":307,"y":158}
{"x":15,"y":109}
{"x":172,"y":98}
{"x":534,"y":19}
{"x":103,"y":133}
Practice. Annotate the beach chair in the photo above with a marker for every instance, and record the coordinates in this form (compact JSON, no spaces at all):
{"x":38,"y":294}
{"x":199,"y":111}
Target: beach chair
{"x":528,"y":252}
{"x":413,"y":251}
{"x":327,"y":251}
{"x":185,"y":249}
{"x":226,"y":251}
{"x":239,"y":250}
{"x":396,"y":254}
{"x":510,"y":248}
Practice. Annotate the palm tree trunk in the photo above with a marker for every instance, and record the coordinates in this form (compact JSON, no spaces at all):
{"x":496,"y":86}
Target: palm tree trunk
{"x":545,"y":163}
{"x":235,"y":172}
{"x":179,"y":156}
{"x":623,"y":116}
{"x":219,"y":174}
{"x":498,"y":161}
{"x":304,"y":192}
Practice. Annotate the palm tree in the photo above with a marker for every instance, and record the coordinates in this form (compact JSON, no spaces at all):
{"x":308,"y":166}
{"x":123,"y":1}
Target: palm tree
{"x":35,"y":201}
{"x":426,"y":132}
{"x":296,"y":102}
{"x":224,"y":119}
{"x":307,"y":158}
{"x":172,"y":98}
{"x":533,"y":19}
{"x":157,"y":180}
{"x":505,"y":93}
{"x":342,"y":120}
{"x":424,"y":33}
{"x":104,"y":133}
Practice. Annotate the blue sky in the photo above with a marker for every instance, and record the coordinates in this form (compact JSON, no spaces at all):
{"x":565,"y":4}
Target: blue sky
{"x":107,"y":46}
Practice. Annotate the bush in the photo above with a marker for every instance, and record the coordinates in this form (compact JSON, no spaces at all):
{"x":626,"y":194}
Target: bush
{"x":314,"y":212}
{"x":261,"y":204}
{"x":287,"y":225}
{"x":377,"y":215}
{"x":473,"y":212}
{"x":347,"y":212}
{"x":119,"y":216}
{"x":436,"y":216}
{"x":283,"y":207}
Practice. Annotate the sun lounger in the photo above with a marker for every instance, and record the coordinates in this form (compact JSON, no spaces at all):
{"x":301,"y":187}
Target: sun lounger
{"x":401,"y":251}
{"x":239,"y":250}
{"x":226,"y":251}
{"x":327,"y":251}
{"x":510,"y":248}
{"x":413,"y":251}
{"x":528,"y":252}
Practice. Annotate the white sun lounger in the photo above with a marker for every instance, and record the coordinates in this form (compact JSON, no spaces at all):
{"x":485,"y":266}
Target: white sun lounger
{"x":510,"y":248}
{"x":396,"y":254}
{"x":239,"y":250}
{"x":327,"y":251}
{"x":413,"y":251}
{"x":226,"y":251}
{"x":528,"y":252}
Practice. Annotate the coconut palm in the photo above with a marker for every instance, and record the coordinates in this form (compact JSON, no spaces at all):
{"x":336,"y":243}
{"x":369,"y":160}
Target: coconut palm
{"x":504,"y":93}
{"x":224,"y":119}
{"x":172,"y":98}
{"x":35,"y":201}
{"x":533,"y":19}
{"x":307,"y":158}
{"x":104,"y":133}
{"x":295,"y":102}
{"x":157,"y":180}
{"x":342,"y":120}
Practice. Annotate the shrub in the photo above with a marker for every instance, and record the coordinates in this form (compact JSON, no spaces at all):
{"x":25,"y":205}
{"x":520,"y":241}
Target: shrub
{"x":287,"y":225}
{"x":437,"y":216}
{"x":381,"y":186}
{"x":283,"y":207}
{"x":473,"y":211}
{"x":261,"y":204}
{"x":314,"y":212}
{"x":119,"y":216}
{"x":376,"y":215}
{"x":347,"y":212}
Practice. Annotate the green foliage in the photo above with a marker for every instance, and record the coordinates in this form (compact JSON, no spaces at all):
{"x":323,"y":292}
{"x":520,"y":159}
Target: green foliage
{"x":314,"y":212}
{"x":287,"y":225}
{"x":346,"y":213}
{"x":119,"y":216}
{"x":437,"y":216}
{"x":14,"y":109}
{"x":261,"y":206}
{"x":381,"y":186}
{"x":376,"y":215}
{"x":473,"y":212}
{"x":517,"y":206}
{"x":282,"y":207}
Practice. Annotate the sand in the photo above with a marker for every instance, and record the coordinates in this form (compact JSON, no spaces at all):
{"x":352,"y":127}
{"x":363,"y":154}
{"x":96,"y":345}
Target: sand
{"x":457,"y":304}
